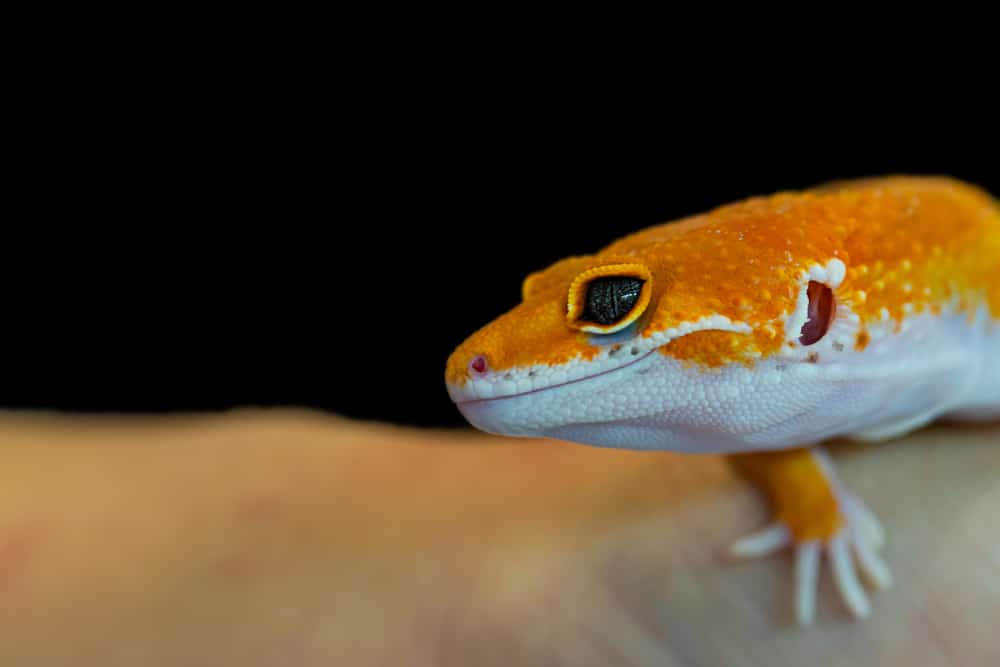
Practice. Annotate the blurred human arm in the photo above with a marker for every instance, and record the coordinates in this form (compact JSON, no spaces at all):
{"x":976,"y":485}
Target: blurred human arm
{"x":292,"y":538}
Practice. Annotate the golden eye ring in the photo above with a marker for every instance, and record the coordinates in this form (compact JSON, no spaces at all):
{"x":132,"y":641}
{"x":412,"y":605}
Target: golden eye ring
{"x":606,"y":299}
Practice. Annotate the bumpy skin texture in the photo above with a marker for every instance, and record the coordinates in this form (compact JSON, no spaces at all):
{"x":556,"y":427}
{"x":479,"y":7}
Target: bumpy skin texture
{"x":909,"y":245}
{"x":914,"y":265}
{"x":711,"y":359}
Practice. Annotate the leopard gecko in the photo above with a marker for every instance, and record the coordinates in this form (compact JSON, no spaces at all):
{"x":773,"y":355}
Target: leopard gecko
{"x":861,"y":309}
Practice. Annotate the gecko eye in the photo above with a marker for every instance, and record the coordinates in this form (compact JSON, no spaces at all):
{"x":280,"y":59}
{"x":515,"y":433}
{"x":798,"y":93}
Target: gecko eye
{"x":822,"y":308}
{"x":610,"y":299}
{"x":606,"y":299}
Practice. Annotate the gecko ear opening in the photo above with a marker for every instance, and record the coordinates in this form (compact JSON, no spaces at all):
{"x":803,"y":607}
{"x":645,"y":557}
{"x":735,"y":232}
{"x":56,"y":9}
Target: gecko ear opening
{"x":822,"y":310}
{"x":606,"y":299}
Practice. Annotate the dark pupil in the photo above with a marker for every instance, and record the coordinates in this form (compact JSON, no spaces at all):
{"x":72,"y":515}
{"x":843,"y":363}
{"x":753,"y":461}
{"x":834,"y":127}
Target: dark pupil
{"x":610,"y":299}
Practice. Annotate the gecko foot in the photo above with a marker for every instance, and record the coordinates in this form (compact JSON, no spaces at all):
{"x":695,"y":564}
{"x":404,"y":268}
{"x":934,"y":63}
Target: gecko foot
{"x":855,"y":545}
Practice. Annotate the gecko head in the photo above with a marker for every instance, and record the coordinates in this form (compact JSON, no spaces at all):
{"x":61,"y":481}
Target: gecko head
{"x":668,"y":339}
{"x":579,"y":318}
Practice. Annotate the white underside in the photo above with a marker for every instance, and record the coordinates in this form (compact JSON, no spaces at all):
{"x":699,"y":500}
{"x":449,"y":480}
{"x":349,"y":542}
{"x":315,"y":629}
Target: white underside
{"x":935,"y":366}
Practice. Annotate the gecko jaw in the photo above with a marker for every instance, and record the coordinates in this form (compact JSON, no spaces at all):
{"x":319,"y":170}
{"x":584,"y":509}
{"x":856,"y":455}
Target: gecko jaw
{"x":472,"y":401}
{"x":489,"y":384}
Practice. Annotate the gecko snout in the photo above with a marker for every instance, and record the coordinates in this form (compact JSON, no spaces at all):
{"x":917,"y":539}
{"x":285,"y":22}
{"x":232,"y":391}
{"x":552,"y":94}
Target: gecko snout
{"x":468,"y":377}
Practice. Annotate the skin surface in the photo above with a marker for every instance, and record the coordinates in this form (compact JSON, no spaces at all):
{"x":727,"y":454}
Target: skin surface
{"x":291,"y":538}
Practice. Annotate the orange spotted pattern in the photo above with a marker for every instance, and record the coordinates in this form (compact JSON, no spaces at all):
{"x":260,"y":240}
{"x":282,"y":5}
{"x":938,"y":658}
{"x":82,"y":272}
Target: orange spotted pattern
{"x":711,"y":348}
{"x":910,"y":245}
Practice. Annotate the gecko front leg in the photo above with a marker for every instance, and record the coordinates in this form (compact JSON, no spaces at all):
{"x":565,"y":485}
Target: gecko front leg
{"x":814,"y":515}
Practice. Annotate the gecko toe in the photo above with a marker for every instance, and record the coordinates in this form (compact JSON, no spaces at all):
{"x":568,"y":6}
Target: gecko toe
{"x":771,"y":539}
{"x":846,"y":578}
{"x":875,"y":570}
{"x":806,"y":574}
{"x":867,"y":523}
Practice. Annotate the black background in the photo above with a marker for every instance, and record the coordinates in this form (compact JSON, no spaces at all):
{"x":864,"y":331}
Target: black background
{"x":206,"y":257}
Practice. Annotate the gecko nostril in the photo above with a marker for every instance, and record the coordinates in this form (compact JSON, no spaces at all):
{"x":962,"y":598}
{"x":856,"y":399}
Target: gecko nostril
{"x":478,"y":365}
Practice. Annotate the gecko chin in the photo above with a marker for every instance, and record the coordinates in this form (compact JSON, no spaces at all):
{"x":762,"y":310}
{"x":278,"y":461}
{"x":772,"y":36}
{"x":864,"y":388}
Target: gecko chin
{"x":652,"y":402}
{"x":541,"y":407}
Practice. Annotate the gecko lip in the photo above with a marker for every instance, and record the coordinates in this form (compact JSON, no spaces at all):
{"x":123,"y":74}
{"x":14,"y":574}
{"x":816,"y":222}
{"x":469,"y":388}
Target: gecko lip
{"x":473,"y":401}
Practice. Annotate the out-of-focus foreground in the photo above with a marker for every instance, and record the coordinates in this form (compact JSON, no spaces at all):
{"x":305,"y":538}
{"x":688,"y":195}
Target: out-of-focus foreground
{"x":293,"y":538}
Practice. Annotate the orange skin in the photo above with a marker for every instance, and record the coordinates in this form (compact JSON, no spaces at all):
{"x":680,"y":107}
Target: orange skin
{"x":909,"y":244}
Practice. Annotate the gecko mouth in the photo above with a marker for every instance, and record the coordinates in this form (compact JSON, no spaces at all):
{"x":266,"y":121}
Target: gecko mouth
{"x":473,"y":401}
